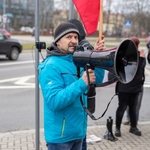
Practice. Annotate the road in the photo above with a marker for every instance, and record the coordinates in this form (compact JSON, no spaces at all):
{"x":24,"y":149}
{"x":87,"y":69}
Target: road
{"x":17,"y":101}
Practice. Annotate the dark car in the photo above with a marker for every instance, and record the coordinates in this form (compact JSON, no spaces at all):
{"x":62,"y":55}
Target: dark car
{"x":10,"y":47}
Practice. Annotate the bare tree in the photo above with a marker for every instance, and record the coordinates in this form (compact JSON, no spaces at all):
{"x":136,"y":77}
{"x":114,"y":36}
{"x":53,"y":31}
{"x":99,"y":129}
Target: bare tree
{"x":138,"y":12}
{"x":108,"y":10}
{"x":62,"y":4}
{"x":46,"y":15}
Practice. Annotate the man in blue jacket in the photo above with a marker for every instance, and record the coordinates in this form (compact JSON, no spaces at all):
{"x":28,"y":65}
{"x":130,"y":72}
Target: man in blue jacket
{"x":65,"y":121}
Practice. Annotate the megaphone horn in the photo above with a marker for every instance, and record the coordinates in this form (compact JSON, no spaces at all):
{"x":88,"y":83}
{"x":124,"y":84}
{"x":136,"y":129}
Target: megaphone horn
{"x":122,"y":61}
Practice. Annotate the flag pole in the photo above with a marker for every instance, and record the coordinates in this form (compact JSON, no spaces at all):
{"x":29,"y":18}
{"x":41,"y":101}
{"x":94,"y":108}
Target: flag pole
{"x":71,"y":10}
{"x":101,"y":20}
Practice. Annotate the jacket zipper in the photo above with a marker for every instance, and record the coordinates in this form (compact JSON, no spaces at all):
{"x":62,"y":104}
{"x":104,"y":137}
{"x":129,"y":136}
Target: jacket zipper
{"x":63,"y":126}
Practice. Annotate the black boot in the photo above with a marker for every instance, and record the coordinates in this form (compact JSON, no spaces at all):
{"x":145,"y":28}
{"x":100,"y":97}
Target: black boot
{"x":135,"y":131}
{"x":118,"y":132}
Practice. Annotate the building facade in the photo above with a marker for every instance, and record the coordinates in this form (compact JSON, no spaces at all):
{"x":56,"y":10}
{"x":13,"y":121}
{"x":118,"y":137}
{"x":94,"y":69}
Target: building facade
{"x":22,"y":12}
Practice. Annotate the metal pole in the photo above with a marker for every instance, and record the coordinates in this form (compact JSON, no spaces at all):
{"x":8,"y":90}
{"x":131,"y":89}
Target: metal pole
{"x":4,"y":11}
{"x":37,"y":108}
{"x":71,"y":10}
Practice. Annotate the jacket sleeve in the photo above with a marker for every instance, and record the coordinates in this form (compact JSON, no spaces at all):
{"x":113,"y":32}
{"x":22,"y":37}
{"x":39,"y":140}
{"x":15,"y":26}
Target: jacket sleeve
{"x":56,"y":94}
{"x":99,"y":73}
{"x":142,"y":64}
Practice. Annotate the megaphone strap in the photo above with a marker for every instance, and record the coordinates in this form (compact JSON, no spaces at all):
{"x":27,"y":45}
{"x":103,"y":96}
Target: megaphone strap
{"x":98,"y":85}
{"x":113,"y":80}
{"x":90,"y":114}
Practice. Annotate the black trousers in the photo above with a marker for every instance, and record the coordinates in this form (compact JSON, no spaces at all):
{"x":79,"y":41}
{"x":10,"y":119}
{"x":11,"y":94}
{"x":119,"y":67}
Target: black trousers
{"x":127,"y":99}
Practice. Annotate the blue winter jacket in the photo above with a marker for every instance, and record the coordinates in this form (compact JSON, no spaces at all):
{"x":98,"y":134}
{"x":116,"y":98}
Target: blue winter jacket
{"x":64,"y":117}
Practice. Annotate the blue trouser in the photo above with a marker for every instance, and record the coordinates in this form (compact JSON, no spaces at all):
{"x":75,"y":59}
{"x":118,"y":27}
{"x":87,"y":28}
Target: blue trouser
{"x":84,"y":145}
{"x":73,"y":145}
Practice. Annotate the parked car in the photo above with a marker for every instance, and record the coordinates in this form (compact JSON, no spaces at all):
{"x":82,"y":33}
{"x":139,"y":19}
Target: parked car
{"x":10,"y":47}
{"x":5,"y":32}
{"x":26,"y":29}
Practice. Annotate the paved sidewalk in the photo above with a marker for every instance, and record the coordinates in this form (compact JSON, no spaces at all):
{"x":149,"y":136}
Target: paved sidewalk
{"x":25,"y":140}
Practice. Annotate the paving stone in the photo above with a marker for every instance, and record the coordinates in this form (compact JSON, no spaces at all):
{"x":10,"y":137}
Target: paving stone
{"x":25,"y":140}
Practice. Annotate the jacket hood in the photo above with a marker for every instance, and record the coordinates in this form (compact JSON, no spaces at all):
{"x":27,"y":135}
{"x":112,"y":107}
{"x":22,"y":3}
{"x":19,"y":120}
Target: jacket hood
{"x":52,"y":50}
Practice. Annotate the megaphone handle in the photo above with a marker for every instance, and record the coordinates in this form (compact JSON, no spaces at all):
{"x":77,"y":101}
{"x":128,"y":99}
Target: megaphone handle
{"x":86,"y":68}
{"x":89,"y":85}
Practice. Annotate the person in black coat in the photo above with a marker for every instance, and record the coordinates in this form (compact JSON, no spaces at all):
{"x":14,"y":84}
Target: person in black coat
{"x":128,"y":95}
{"x":148,"y":47}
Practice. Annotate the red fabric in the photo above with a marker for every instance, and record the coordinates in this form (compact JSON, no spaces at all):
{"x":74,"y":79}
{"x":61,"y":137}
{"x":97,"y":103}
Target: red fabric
{"x":89,"y":13}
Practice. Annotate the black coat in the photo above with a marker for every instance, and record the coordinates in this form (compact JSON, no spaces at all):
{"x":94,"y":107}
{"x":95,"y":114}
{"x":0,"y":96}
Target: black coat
{"x":136,"y":84}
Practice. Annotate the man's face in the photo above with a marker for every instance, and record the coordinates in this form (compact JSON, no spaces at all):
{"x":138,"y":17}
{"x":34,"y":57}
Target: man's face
{"x":66,"y":43}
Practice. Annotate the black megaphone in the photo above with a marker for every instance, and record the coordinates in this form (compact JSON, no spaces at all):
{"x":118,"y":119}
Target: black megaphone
{"x":122,"y":61}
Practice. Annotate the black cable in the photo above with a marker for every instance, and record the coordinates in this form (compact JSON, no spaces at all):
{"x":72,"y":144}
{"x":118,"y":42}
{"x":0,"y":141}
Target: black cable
{"x":84,"y":107}
{"x":90,"y":114}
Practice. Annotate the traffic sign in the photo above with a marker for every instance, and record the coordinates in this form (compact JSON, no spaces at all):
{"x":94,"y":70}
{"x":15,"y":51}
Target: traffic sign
{"x":128,"y":23}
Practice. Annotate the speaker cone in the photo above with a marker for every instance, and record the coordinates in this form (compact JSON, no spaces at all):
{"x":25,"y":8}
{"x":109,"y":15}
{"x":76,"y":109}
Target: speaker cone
{"x":126,"y":61}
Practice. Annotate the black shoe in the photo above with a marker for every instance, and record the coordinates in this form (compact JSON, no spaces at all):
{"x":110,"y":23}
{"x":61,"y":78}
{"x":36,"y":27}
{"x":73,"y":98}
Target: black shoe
{"x":135,"y":131}
{"x":117,"y":132}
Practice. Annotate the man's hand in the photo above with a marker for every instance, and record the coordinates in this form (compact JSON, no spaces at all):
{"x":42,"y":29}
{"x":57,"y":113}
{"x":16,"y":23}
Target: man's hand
{"x":100,"y":45}
{"x":91,"y":76}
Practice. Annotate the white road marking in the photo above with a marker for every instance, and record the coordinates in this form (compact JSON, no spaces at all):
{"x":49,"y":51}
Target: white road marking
{"x":20,"y":82}
{"x":15,"y":63}
{"x":17,"y":78}
{"x":16,"y":87}
{"x":23,"y":82}
{"x":147,"y":71}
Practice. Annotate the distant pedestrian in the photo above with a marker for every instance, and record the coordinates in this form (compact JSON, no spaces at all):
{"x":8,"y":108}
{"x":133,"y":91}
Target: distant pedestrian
{"x":148,"y":41}
{"x":33,"y":31}
{"x":148,"y":46}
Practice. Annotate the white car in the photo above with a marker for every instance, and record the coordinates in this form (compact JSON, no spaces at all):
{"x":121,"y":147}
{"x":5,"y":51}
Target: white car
{"x":26,"y":29}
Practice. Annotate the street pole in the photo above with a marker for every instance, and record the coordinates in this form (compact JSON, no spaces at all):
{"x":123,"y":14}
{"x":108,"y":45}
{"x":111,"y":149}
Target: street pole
{"x":37,"y":108}
{"x":4,"y":11}
{"x":71,"y":10}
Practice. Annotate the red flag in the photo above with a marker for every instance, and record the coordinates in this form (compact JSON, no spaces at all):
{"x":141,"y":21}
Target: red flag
{"x":89,"y":13}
